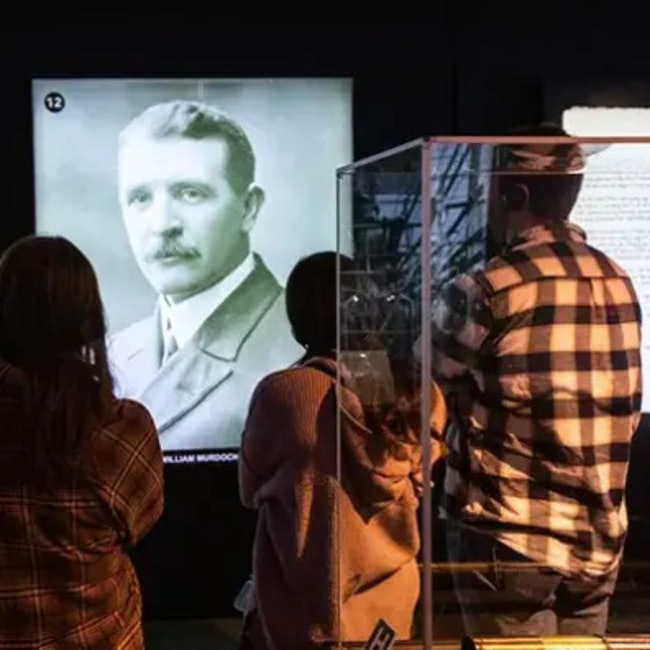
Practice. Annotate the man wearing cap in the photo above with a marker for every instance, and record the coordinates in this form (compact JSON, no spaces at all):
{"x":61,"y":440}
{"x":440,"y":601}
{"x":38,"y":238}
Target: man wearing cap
{"x":540,"y":353}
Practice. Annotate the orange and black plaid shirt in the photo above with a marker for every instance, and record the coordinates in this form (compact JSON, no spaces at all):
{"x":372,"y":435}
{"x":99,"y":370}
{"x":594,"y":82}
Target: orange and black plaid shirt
{"x":65,"y":578}
{"x":546,"y":341}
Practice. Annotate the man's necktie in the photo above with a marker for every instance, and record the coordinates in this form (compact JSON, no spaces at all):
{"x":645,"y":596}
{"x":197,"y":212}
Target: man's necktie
{"x":170,"y":346}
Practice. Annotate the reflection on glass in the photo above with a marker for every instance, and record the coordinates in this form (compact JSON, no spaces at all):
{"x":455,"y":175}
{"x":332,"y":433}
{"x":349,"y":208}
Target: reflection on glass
{"x":532,"y":497}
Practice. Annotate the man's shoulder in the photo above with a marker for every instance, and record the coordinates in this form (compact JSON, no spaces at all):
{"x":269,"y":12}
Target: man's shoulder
{"x":554,"y":258}
{"x":134,"y":330}
{"x":262,"y":296}
{"x":132,"y":336}
{"x":271,"y":327}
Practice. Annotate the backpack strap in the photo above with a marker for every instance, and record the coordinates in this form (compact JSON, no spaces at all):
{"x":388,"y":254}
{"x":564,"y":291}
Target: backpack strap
{"x":328,"y":366}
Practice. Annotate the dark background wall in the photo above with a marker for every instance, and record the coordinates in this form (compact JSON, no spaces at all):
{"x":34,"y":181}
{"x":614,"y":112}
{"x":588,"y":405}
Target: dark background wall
{"x":457,"y":70}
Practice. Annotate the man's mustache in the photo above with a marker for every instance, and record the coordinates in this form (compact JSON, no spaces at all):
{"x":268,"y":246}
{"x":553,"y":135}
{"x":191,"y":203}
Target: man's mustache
{"x":169,"y":248}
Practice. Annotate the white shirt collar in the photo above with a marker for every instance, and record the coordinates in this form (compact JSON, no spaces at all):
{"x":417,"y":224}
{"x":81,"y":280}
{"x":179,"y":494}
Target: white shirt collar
{"x":187,"y":316}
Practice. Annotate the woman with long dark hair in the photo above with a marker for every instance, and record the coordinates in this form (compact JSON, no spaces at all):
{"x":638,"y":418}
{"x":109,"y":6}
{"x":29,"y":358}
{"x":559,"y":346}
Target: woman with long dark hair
{"x":80,"y":471}
{"x":331,"y":460}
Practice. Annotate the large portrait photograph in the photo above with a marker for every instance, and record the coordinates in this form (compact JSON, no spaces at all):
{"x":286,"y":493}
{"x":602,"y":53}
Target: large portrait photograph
{"x":193,"y":200}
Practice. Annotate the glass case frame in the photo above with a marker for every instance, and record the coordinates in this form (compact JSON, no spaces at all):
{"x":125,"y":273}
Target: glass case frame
{"x":391,"y":211}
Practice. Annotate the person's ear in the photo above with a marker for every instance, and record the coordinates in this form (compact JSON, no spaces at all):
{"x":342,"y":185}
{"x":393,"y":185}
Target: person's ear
{"x":253,"y":201}
{"x":516,"y":197}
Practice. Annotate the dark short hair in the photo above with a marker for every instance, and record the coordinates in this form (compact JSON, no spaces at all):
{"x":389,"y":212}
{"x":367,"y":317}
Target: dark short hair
{"x":197,"y":121}
{"x":311,"y":298}
{"x":553,"y":172}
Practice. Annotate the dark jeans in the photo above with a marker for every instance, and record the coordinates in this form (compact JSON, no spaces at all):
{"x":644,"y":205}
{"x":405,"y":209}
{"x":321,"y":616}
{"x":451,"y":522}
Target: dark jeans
{"x":504,"y":594}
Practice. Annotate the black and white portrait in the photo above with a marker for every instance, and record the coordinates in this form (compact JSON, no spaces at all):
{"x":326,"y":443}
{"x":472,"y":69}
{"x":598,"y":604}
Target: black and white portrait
{"x":193,"y":199}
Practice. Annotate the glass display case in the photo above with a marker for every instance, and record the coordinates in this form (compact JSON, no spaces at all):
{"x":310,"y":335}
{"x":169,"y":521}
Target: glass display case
{"x":412,"y":223}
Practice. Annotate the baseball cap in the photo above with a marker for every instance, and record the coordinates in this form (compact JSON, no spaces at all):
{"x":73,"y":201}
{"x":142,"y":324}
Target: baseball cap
{"x":539,"y":157}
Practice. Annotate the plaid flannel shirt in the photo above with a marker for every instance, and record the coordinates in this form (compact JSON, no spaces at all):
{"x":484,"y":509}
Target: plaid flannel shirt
{"x":543,"y":346}
{"x":65,"y":578}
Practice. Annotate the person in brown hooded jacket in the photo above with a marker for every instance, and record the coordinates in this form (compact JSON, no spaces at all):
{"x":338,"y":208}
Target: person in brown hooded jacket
{"x":336,"y":480}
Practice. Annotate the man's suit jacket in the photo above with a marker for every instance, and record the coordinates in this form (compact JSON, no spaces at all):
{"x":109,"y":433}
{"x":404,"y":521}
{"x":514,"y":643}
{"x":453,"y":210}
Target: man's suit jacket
{"x":199,"y":398}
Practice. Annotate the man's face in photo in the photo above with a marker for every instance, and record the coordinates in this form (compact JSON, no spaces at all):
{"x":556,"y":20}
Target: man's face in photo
{"x":186,"y":224}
